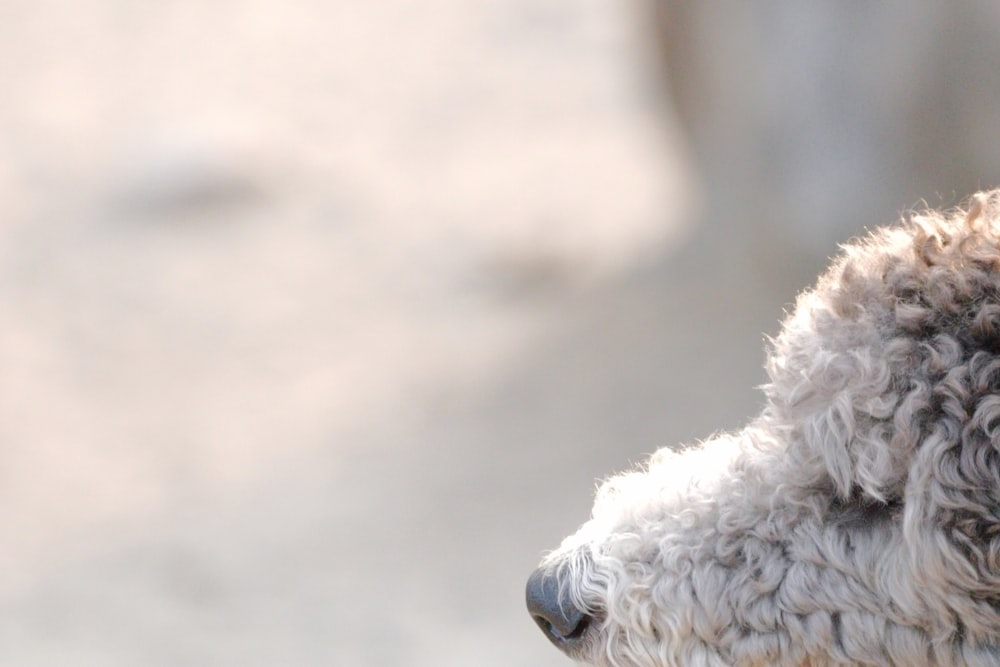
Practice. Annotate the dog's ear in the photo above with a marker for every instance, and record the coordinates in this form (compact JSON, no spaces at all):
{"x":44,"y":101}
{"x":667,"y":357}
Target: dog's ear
{"x":840,"y":410}
{"x":828,"y":433}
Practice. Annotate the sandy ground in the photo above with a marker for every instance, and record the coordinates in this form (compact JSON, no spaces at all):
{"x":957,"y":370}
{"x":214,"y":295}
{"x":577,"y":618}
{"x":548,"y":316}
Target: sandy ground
{"x":319,"y":321}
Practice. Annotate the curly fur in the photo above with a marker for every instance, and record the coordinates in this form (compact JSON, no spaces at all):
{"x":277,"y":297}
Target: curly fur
{"x":856,"y":521}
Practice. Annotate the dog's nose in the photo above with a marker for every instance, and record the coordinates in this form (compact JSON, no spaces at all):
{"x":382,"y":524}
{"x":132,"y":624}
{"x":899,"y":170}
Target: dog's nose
{"x":555,"y":614}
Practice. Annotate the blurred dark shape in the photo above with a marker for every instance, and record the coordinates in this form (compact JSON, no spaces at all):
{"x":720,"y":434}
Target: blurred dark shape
{"x":174,"y":182}
{"x":810,"y":121}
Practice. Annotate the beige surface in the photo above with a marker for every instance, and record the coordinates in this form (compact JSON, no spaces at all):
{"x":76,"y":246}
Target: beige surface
{"x":312,"y":336}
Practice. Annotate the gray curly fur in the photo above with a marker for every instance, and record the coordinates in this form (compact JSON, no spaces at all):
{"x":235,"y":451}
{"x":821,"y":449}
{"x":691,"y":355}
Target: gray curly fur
{"x":856,"y":521}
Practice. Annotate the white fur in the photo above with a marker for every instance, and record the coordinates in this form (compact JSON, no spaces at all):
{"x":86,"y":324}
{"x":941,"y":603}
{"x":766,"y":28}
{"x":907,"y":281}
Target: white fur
{"x":857,"y":520}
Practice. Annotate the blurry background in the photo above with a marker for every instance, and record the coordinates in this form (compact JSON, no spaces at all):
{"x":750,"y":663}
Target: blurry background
{"x":319,"y":320}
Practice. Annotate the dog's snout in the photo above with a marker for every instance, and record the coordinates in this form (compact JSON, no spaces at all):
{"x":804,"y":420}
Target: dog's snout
{"x":561,"y":621}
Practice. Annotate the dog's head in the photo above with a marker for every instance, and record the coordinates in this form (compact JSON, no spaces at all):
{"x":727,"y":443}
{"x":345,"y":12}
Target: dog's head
{"x":857,"y":519}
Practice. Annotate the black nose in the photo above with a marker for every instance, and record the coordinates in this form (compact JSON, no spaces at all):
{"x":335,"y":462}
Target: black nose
{"x":555,"y":614}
